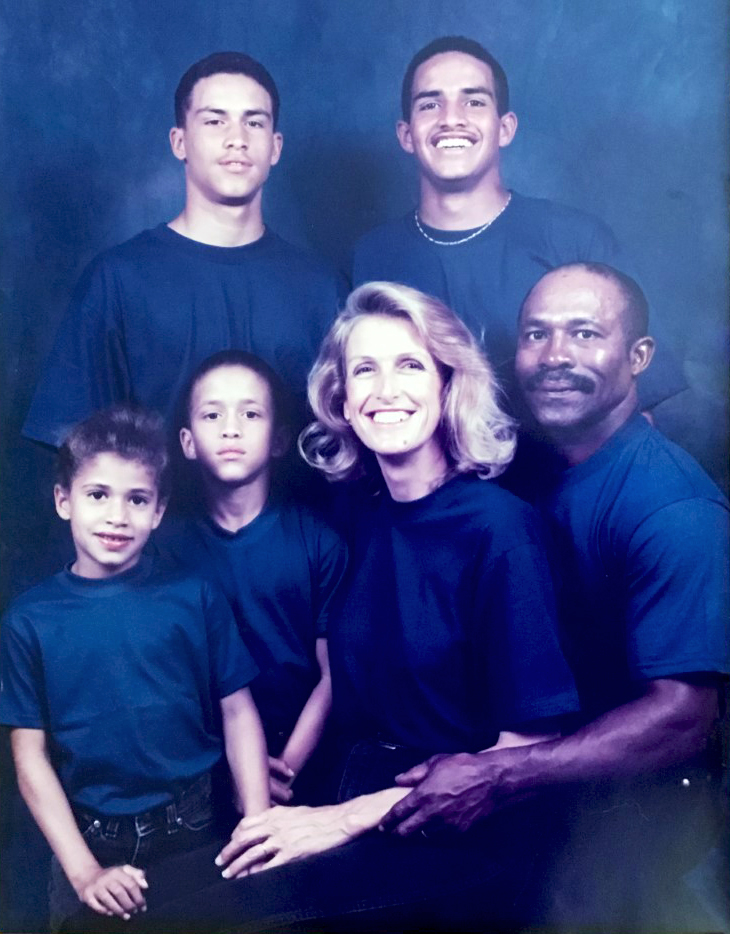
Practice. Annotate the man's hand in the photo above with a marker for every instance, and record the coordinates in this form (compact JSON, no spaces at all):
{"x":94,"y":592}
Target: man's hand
{"x":280,"y":779}
{"x":114,"y":891}
{"x":451,"y":791}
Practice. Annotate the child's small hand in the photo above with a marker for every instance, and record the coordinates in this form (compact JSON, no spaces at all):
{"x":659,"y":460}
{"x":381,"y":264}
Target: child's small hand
{"x":281,"y":777}
{"x":116,"y":890}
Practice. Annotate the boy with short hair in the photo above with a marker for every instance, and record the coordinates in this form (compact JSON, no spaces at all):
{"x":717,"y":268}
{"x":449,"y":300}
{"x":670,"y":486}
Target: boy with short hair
{"x":277,"y":562}
{"x":112,"y":673}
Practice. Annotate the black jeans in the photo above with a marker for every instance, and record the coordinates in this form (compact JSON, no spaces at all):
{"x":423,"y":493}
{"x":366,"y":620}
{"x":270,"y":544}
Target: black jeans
{"x":378,"y":882}
{"x":185,"y":824}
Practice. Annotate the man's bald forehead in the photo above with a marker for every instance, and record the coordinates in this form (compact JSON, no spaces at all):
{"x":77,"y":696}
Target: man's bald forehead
{"x":633,"y":307}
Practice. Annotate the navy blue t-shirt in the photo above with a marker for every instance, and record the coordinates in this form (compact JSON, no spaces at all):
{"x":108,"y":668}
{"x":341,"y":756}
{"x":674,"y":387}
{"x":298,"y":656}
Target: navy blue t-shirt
{"x":279,"y":574}
{"x":445,"y":631}
{"x":125,"y":676}
{"x":642,"y":540}
{"x":486,"y":279}
{"x":148,"y":311}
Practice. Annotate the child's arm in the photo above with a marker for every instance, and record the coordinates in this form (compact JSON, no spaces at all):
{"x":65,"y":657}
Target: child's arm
{"x":113,"y":891}
{"x":307,"y":730}
{"x":246,"y":751}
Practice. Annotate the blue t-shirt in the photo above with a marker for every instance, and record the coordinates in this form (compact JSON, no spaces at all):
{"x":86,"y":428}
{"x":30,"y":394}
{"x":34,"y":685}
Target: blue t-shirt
{"x":279,"y":574}
{"x":125,"y":676}
{"x":486,"y":279}
{"x":148,"y":311}
{"x":445,"y":630}
{"x":642,"y":539}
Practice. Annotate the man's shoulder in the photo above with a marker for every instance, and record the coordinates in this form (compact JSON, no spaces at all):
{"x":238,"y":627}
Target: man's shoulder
{"x":296,"y":260}
{"x":556,"y":219}
{"x":391,"y":235}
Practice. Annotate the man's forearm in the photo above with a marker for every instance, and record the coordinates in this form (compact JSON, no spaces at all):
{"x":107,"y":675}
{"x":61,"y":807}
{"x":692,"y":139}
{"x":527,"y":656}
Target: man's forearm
{"x":666,"y":726}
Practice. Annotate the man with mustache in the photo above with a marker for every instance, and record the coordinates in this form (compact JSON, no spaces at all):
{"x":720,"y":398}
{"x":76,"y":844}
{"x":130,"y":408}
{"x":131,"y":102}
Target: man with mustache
{"x":471,"y":241}
{"x":642,"y":542}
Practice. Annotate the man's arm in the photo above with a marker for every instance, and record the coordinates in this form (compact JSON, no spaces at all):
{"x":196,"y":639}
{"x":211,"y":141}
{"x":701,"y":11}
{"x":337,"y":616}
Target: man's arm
{"x":306,"y":733}
{"x":116,"y":890}
{"x":667,"y":725}
{"x":246,"y":751}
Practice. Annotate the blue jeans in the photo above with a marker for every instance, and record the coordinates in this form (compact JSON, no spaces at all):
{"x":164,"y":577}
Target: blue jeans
{"x":187,"y":823}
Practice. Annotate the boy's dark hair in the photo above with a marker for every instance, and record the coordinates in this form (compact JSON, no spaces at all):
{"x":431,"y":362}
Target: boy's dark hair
{"x":123,"y":430}
{"x":455,"y":44}
{"x":227,"y":63}
{"x":280,"y":396}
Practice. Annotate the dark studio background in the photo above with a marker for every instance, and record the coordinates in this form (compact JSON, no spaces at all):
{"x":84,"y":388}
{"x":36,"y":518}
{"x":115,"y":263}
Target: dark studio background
{"x":622,"y":113}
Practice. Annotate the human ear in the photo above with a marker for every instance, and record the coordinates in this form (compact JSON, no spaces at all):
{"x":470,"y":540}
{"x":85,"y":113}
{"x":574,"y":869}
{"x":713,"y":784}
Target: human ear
{"x":507,"y":128}
{"x":403,"y":132}
{"x":187,"y":444}
{"x":177,"y":142}
{"x":278,"y":142}
{"x":159,"y":512}
{"x":641,"y":354}
{"x":61,"y":496}
{"x":346,"y":411}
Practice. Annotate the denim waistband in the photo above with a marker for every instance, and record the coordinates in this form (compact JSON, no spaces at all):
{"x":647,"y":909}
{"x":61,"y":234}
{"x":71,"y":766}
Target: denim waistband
{"x":164,"y":816}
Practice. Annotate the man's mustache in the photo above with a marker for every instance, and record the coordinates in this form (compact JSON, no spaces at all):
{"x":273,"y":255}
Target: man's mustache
{"x":564,"y":377}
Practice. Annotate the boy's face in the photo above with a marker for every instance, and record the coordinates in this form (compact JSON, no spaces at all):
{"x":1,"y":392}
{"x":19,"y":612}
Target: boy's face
{"x":231,"y":429}
{"x":113,"y":506}
{"x":228,"y":142}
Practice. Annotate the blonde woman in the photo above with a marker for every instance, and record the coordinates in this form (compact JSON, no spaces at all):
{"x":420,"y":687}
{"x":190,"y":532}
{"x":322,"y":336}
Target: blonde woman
{"x":442,"y":645}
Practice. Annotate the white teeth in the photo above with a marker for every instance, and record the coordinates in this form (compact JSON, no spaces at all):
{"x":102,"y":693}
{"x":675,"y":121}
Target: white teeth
{"x":390,"y":417}
{"x":453,"y":143}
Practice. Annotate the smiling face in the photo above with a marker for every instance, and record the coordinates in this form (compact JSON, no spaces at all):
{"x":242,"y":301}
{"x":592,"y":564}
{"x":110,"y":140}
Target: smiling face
{"x":113,"y":507}
{"x":228,"y":142}
{"x":393,"y":393}
{"x":574,"y":364}
{"x":455,"y":131}
{"x":231,"y":429}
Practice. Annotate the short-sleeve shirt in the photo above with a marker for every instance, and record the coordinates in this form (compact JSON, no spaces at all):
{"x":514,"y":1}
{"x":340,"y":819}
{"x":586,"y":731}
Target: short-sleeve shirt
{"x":486,"y":279}
{"x":279,"y":574}
{"x":445,"y":632}
{"x":642,"y":540}
{"x":147,"y":312}
{"x":125,"y":676}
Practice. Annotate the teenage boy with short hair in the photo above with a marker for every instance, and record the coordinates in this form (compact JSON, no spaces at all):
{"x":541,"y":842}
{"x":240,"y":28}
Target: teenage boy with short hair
{"x":112,"y":673}
{"x":277,"y":562}
{"x":472,"y":242}
{"x":147,"y":312}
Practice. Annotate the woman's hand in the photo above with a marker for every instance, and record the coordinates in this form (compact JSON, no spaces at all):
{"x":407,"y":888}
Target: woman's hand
{"x":283,"y":834}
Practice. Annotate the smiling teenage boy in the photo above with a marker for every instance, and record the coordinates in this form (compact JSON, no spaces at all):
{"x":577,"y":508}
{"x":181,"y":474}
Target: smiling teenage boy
{"x":473,"y":242}
{"x":277,"y":562}
{"x":147,"y":312}
{"x":112,"y":673}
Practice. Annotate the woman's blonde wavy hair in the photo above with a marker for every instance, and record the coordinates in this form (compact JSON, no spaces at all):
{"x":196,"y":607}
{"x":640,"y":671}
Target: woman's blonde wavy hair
{"x":477,"y":435}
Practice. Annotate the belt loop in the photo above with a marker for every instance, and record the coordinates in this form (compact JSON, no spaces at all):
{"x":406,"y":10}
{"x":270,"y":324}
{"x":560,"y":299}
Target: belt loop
{"x":173,"y":821}
{"x":112,"y":829}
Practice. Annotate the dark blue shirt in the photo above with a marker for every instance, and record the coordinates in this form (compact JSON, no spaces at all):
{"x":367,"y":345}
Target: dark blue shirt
{"x":642,"y":540}
{"x":125,"y":676}
{"x":148,"y":311}
{"x":486,"y":279}
{"x":445,"y":632}
{"x":279,"y":574}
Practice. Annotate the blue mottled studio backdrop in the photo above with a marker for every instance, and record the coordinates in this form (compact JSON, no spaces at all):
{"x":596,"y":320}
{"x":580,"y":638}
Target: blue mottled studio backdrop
{"x":622,"y":113}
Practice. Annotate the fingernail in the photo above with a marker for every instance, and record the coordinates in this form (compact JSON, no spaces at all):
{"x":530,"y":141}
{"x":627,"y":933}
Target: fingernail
{"x":218,"y":861}
{"x":126,"y":917}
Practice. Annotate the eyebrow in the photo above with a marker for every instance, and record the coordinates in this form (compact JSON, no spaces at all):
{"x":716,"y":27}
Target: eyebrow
{"x":221,"y":112}
{"x":205,"y":402}
{"x":480,"y":89}
{"x":571,"y":323}
{"x":91,"y":485}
